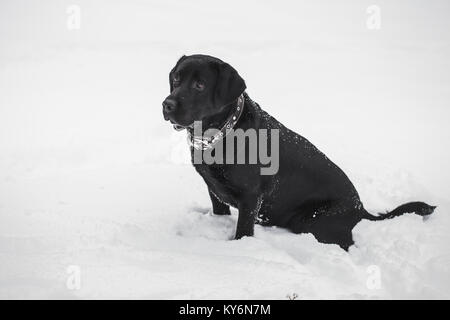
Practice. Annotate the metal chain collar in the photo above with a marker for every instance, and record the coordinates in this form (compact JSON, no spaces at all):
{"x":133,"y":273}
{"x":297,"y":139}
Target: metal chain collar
{"x":205,"y":143}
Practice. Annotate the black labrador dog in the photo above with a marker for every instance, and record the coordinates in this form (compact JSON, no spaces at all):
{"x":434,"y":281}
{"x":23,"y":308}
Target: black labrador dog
{"x":307,"y":194}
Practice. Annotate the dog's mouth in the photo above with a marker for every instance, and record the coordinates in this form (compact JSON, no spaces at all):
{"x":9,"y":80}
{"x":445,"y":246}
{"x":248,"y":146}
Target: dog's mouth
{"x":179,"y":127}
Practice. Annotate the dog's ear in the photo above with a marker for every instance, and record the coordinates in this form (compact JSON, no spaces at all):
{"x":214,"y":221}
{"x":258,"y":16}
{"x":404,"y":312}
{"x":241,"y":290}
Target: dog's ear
{"x":229,"y":85}
{"x":173,"y":70}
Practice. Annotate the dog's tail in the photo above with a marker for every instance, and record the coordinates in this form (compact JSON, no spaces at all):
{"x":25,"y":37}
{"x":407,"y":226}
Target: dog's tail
{"x":417,"y":207}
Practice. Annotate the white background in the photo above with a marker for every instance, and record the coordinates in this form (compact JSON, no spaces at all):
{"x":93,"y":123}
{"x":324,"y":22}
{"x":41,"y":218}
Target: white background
{"x":92,"y":176}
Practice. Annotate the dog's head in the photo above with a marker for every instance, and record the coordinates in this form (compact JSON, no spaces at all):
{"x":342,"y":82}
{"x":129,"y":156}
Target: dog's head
{"x":200,"y":87}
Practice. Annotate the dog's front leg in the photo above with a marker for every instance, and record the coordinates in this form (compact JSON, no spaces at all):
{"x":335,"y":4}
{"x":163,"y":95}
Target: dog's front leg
{"x":248,"y":211}
{"x":219,"y":207}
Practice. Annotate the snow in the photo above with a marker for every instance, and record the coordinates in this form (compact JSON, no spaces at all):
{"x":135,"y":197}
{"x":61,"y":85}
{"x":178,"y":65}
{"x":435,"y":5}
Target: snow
{"x":91,"y":176}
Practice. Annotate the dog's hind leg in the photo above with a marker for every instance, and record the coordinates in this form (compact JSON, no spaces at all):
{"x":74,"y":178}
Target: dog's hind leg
{"x":333,"y":225}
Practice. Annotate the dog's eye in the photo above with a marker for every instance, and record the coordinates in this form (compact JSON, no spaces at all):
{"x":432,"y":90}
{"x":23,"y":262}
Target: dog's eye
{"x":199,"y":85}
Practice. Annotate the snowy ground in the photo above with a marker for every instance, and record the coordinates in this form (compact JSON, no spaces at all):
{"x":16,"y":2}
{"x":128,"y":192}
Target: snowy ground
{"x":92,"y":177}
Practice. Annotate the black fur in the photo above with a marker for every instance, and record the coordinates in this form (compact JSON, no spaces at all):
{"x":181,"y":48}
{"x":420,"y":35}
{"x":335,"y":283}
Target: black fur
{"x":309,"y":193}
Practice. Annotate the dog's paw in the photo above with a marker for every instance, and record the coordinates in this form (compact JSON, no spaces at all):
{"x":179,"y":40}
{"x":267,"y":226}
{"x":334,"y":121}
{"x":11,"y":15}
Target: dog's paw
{"x":225,"y":212}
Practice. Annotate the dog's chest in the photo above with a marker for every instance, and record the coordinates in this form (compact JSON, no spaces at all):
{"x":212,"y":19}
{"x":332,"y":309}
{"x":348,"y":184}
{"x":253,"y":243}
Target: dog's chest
{"x":220,"y":180}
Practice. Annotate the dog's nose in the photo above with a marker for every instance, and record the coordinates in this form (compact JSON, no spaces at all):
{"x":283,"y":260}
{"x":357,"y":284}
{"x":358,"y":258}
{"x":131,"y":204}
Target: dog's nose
{"x":169,"y":105}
